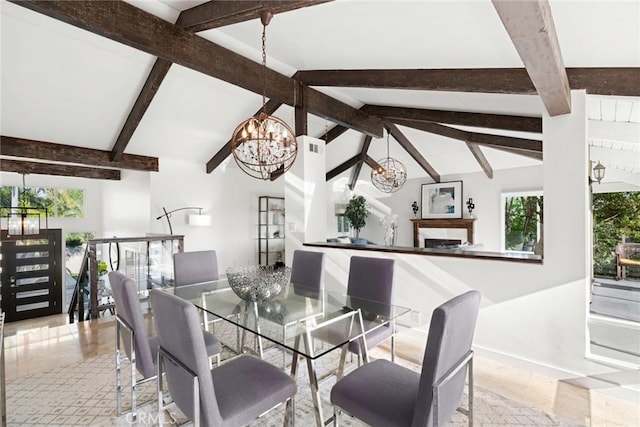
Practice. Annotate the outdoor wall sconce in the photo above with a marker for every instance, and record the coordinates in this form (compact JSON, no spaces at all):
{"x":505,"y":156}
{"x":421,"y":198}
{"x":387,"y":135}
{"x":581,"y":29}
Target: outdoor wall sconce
{"x":598,"y":173}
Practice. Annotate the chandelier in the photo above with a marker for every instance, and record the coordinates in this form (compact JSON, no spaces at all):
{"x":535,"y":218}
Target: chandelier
{"x":391,"y":175}
{"x":25,"y":220}
{"x":264,"y":146}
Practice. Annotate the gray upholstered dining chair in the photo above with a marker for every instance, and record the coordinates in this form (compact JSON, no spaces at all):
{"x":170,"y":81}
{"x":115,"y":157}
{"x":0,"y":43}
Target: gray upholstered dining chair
{"x":307,"y":281}
{"x":195,"y":267}
{"x":372,"y":279}
{"x":232,"y":394}
{"x":383,"y":393}
{"x":140,"y":348}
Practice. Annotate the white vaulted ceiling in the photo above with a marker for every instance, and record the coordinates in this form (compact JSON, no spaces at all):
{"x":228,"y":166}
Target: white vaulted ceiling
{"x":66,"y":85}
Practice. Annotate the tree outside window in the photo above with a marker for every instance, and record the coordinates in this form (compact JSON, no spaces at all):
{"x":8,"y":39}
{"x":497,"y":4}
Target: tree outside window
{"x":59,"y":202}
{"x":523,"y":216}
{"x":616,"y":218}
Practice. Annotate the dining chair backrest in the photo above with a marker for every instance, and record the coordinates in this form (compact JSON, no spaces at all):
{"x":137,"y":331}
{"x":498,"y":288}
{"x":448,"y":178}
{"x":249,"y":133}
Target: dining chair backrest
{"x":180,"y":333}
{"x":125,"y":295}
{"x":307,"y":272}
{"x":371,"y":279}
{"x":450,"y":338}
{"x":195,"y":267}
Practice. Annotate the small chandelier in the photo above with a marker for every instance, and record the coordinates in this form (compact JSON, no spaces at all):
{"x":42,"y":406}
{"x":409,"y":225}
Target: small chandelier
{"x":25,"y":220}
{"x":264,"y":146}
{"x":391,"y":175}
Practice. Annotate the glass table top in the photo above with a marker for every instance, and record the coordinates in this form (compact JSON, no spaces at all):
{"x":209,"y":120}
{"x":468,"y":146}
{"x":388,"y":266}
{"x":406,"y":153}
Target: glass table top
{"x":331,"y":318}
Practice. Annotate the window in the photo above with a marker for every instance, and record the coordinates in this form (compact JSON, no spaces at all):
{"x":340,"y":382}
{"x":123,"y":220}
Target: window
{"x":60,"y":202}
{"x":522,"y":218}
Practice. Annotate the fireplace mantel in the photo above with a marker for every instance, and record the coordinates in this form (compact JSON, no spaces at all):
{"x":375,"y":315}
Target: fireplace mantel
{"x":442,"y":223}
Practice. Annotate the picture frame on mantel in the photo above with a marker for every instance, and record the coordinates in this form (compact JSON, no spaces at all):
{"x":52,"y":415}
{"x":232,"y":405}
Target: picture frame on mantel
{"x":442,"y":200}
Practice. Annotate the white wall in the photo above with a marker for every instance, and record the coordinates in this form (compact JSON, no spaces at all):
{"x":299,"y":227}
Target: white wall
{"x":305,"y":195}
{"x":227,"y":194}
{"x":529,"y":312}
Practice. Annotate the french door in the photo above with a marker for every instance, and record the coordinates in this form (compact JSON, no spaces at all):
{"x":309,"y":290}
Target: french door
{"x":31,"y":278}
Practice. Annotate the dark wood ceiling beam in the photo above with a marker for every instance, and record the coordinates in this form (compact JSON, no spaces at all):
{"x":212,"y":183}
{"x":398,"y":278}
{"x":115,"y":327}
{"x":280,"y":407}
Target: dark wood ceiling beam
{"x":342,"y":167}
{"x":215,"y":14}
{"x":481,"y":159}
{"x":333,"y":133}
{"x":37,"y":168}
{"x":411,"y":149}
{"x":355,"y":173}
{"x":620,"y":81}
{"x":505,"y":141}
{"x":126,"y":24}
{"x":324,"y":106}
{"x":606,"y":81}
{"x":270,"y":107}
{"x":532,"y":145}
{"x":372,"y":163}
{"x":28,"y":148}
{"x":151,"y":85}
{"x":484,"y":80}
{"x":460,"y":118}
{"x":533,"y":33}
{"x":461,"y":135}
{"x":525,"y":153}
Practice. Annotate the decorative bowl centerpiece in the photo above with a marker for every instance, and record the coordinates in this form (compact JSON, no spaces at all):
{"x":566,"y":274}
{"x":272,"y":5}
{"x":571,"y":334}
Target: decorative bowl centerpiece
{"x":258,"y":283}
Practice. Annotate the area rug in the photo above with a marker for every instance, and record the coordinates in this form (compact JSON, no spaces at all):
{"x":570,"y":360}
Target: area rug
{"x":83,"y":394}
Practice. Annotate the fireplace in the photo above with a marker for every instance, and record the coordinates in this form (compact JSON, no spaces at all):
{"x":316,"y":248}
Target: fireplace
{"x":442,"y":243}
{"x":459,"y":230}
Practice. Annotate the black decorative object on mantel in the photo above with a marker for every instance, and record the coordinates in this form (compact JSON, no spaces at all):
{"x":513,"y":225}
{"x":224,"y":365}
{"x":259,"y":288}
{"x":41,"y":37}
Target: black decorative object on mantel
{"x":414,"y":207}
{"x":470,"y":205}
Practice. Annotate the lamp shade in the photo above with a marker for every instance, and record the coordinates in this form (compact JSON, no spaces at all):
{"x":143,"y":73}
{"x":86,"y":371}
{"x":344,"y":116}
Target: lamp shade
{"x":199,"y":220}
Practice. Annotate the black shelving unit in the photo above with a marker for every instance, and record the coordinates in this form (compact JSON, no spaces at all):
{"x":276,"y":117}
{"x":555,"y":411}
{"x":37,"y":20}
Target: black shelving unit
{"x":271,"y":227}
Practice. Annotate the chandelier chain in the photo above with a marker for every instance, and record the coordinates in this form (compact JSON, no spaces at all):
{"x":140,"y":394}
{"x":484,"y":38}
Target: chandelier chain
{"x":264,"y":66}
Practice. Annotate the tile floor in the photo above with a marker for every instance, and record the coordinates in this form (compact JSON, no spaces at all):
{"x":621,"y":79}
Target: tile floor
{"x":35,"y":345}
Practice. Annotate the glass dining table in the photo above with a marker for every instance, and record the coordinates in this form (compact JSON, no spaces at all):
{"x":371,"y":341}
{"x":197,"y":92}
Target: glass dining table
{"x":307,"y":323}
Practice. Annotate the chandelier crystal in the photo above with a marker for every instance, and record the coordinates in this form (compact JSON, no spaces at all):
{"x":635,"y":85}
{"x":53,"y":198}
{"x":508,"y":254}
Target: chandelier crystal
{"x":264,"y":146}
{"x":391,"y":175}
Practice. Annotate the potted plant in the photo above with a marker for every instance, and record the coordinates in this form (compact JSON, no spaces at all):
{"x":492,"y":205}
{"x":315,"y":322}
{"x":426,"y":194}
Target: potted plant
{"x":357,"y":213}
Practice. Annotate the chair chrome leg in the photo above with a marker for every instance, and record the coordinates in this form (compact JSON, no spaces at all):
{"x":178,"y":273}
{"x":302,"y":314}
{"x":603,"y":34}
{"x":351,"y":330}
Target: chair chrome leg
{"x":393,"y":347}
{"x":470,"y":392}
{"x":118,"y":382}
{"x":134,"y":385}
{"x":335,"y":416}
{"x":284,"y":350}
{"x":159,"y":391}
{"x":293,"y":411}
